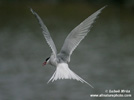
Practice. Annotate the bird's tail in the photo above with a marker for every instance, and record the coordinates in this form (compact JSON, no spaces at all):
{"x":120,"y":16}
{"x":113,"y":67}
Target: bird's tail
{"x":64,"y":72}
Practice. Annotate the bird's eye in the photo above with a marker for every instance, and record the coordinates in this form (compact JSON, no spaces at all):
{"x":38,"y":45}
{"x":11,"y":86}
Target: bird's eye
{"x":47,"y":58}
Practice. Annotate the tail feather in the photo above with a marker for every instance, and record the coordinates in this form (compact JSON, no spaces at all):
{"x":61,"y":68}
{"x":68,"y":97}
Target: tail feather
{"x":63,"y":72}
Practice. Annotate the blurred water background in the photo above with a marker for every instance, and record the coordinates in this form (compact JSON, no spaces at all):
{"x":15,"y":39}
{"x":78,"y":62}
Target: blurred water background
{"x":105,"y":58}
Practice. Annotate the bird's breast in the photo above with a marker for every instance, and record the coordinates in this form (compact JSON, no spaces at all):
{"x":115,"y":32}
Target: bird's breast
{"x":62,"y":65}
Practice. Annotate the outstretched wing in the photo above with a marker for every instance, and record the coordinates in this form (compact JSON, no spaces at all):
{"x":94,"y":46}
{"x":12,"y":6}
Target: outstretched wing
{"x":46,"y":33}
{"x":76,"y":35}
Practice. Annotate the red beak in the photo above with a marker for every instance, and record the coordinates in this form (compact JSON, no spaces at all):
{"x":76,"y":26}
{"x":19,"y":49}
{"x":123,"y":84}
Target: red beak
{"x":44,"y":63}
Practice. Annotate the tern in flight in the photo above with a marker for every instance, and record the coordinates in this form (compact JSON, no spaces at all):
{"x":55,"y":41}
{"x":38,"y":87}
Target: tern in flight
{"x":61,"y":60}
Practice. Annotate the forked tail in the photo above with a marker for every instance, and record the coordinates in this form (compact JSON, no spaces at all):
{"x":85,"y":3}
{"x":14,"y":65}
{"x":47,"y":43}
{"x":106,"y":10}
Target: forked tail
{"x":63,"y":72}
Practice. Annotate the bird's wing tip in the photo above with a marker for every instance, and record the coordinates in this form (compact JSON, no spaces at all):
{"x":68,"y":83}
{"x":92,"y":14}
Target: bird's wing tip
{"x":104,"y":6}
{"x":32,"y":10}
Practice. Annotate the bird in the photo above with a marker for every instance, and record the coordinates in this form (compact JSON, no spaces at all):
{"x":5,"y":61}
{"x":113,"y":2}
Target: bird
{"x":61,"y":60}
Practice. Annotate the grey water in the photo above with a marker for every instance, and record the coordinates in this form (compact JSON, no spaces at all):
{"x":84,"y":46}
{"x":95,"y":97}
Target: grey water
{"x":105,"y":58}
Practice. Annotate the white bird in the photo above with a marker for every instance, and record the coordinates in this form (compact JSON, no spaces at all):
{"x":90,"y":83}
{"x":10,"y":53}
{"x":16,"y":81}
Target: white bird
{"x":61,"y":60}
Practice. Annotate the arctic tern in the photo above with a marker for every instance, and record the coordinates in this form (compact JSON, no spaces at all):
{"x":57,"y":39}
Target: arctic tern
{"x":61,"y":60}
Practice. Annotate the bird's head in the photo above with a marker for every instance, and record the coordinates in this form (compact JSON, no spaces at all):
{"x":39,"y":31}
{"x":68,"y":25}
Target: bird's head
{"x":46,"y":61}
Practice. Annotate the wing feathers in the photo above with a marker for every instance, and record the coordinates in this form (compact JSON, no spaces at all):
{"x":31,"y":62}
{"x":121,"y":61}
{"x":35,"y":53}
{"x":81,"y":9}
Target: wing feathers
{"x":77,"y":34}
{"x":46,"y":33}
